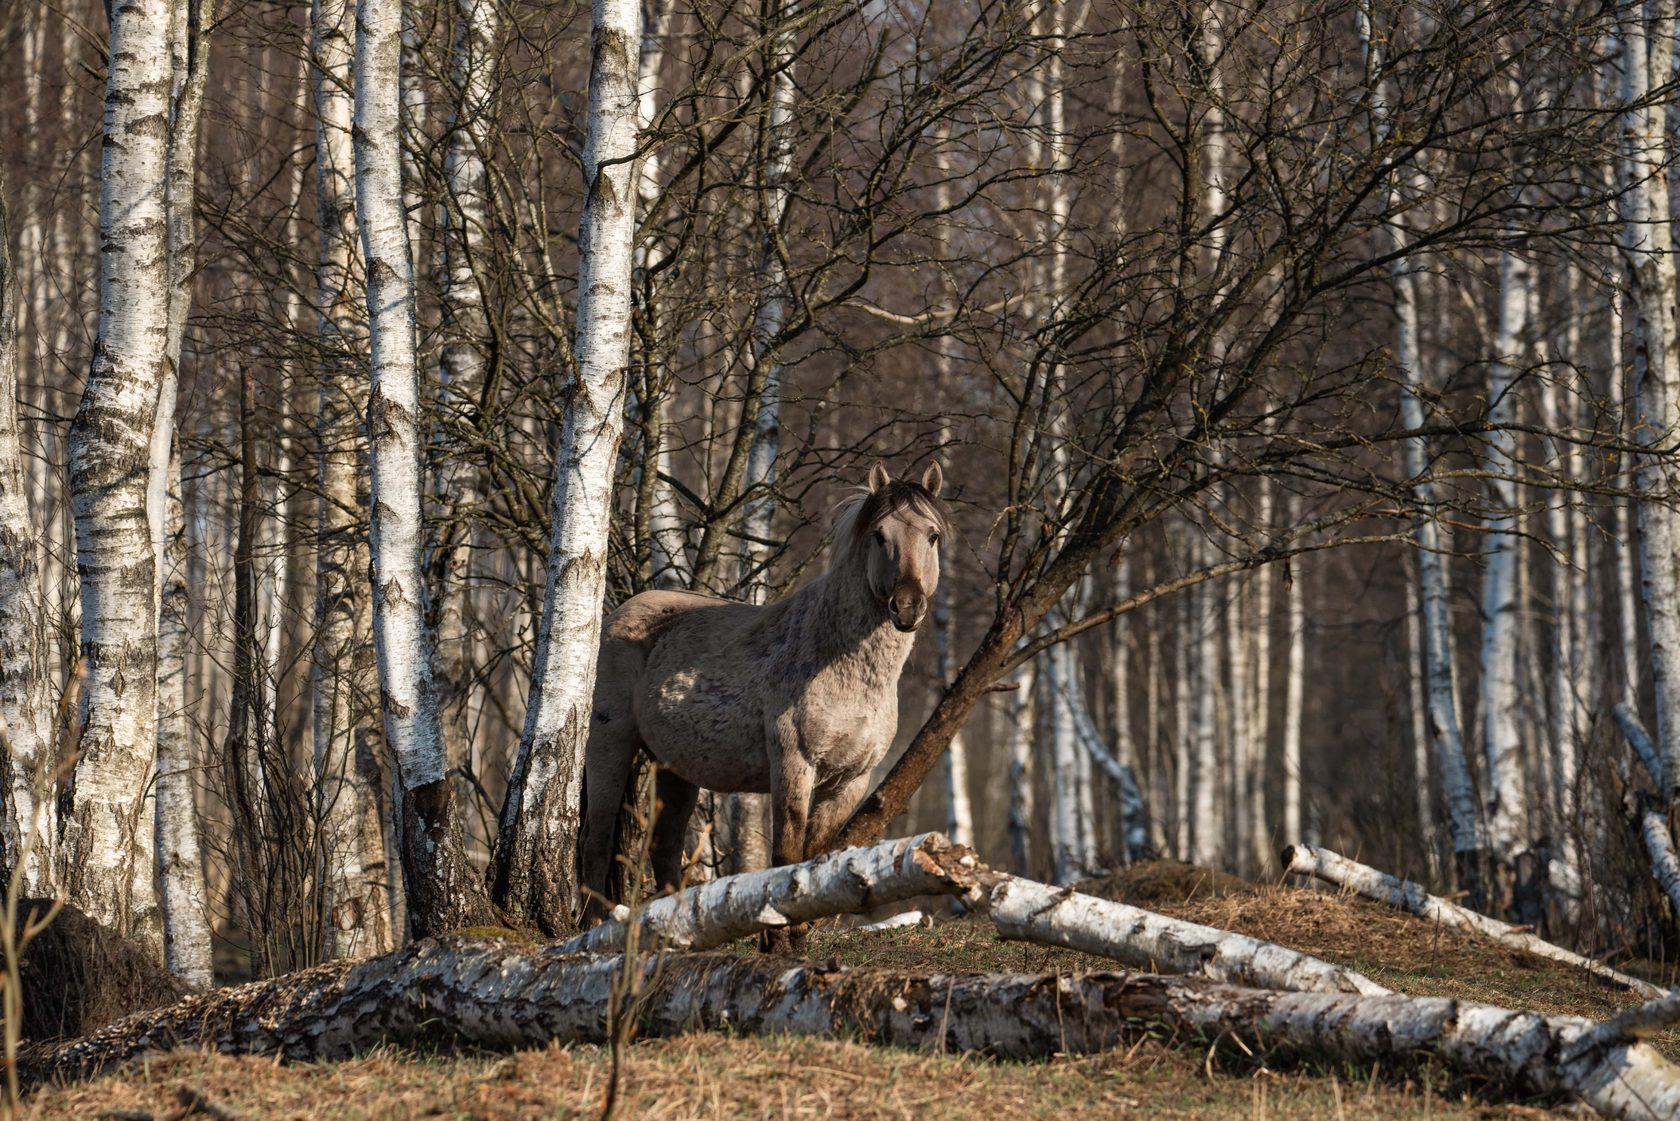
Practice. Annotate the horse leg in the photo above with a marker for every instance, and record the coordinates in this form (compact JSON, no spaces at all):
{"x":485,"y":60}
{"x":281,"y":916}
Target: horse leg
{"x":676,"y":797}
{"x":608,"y":762}
{"x":792,"y":780}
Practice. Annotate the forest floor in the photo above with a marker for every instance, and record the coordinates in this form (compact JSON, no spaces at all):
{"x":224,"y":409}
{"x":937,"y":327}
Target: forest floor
{"x":714,"y":1076}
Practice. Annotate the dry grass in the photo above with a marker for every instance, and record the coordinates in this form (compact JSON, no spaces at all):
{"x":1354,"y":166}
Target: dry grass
{"x":715,"y":1076}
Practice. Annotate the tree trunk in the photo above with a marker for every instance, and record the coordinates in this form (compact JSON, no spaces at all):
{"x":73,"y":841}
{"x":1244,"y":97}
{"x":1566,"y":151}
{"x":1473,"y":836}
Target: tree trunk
{"x":186,"y":910}
{"x":1647,"y":246}
{"x":357,"y":913}
{"x":496,"y":994}
{"x":442,"y":890}
{"x":1021,"y":720}
{"x":1505,"y":789}
{"x":108,"y":843}
{"x":959,"y":811}
{"x":26,"y":754}
{"x":534,"y":870}
{"x":1464,"y":822}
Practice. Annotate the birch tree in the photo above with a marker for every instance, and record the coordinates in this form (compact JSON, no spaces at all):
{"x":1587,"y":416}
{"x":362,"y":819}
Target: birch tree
{"x":1647,"y":35}
{"x":1504,"y":783}
{"x":442,"y":890}
{"x":535,"y":849}
{"x":107,"y":856}
{"x":25,"y":751}
{"x":343,"y":794}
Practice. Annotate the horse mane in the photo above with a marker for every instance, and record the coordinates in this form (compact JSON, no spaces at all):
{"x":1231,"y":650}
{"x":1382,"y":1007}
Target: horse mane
{"x":857,"y":515}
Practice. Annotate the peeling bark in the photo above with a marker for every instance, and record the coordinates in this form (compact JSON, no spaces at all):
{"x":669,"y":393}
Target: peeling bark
{"x":495,"y":994}
{"x":442,"y":889}
{"x":534,"y":870}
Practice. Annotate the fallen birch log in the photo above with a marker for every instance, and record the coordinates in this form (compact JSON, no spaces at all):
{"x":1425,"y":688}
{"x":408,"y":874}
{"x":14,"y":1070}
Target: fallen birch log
{"x":1653,"y":825}
{"x":841,"y":883}
{"x":1405,"y":895}
{"x":1028,"y":911}
{"x":711,"y":915}
{"x":1659,"y":843}
{"x":485,"y":993}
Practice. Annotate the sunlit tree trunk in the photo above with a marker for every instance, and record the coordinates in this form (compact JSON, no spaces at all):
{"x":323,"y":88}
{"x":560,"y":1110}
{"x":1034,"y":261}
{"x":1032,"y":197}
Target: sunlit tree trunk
{"x":536,"y":848}
{"x":108,"y":847}
{"x":1294,"y":696}
{"x":25,"y":694}
{"x":443,"y":891}
{"x":1647,"y":246}
{"x":358,"y":916}
{"x":1445,"y":735}
{"x":1505,"y":787}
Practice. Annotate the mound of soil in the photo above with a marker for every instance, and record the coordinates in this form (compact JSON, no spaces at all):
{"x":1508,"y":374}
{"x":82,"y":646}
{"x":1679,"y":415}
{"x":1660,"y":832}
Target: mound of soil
{"x":1165,"y":881}
{"x":78,"y":976}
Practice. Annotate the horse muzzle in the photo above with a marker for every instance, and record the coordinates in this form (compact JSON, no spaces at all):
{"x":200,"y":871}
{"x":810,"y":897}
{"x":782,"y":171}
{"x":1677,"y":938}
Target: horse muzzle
{"x":906,"y":614}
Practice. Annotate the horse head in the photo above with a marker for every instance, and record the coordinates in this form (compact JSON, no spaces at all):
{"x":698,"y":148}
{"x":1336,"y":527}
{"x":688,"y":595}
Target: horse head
{"x":898,"y":527}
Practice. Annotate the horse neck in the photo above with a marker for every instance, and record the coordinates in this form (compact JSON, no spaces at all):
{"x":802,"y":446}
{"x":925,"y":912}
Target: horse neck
{"x":843,"y":618}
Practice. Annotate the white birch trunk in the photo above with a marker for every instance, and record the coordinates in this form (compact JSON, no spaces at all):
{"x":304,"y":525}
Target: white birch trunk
{"x":442,"y":889}
{"x":1505,"y":787}
{"x":959,"y":810}
{"x":1260,"y":708}
{"x":1207,"y":834}
{"x":186,"y":915}
{"x":25,"y":694}
{"x":1410,"y":897}
{"x":186,"y":909}
{"x":1427,"y":831}
{"x":495,"y":993}
{"x":1627,"y":586}
{"x":107,"y":855}
{"x":1447,"y":739}
{"x":540,"y":818}
{"x":1648,"y":247}
{"x":1134,"y":828}
{"x":1068,"y":852}
{"x":357,"y":901}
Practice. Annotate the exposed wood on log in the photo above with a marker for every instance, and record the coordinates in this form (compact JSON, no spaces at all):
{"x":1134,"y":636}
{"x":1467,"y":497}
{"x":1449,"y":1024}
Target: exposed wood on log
{"x":840,"y":883}
{"x":491,"y":993}
{"x":1410,"y":897}
{"x":1033,"y":912}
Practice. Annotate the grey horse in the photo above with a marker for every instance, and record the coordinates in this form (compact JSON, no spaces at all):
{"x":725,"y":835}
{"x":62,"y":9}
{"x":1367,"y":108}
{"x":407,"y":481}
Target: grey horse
{"x":797,"y":698}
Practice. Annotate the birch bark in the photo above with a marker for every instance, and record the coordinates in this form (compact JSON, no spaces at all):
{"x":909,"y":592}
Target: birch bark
{"x":539,"y":824}
{"x":461,"y":366}
{"x":1648,"y":248}
{"x":1504,"y":783}
{"x":25,"y":703}
{"x":442,"y":889}
{"x":356,"y":907}
{"x":1464,"y":822}
{"x":108,"y":845}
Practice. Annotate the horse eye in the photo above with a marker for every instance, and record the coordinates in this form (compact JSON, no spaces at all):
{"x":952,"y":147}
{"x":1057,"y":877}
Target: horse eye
{"x":880,"y":535}
{"x":933,"y":538}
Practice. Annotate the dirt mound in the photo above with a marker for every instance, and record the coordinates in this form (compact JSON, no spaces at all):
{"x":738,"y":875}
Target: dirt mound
{"x":1165,"y":881}
{"x":78,"y":976}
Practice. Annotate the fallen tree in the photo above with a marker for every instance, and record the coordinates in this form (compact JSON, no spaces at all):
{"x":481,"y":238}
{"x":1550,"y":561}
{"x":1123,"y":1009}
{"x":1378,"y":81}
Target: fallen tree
{"x":1405,"y":895}
{"x":491,"y":993}
{"x":853,"y":880}
{"x":1028,"y":911}
{"x":1652,"y":822}
{"x":840,"y":883}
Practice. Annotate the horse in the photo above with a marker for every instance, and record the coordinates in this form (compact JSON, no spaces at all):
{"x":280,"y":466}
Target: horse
{"x":797,"y":698}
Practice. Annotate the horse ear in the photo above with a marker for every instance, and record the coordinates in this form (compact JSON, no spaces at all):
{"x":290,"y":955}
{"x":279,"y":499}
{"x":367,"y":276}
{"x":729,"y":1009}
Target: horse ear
{"x":933,"y":478}
{"x":878,"y":477}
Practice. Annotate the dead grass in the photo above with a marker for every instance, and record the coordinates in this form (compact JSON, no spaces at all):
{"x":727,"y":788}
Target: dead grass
{"x":714,"y":1076}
